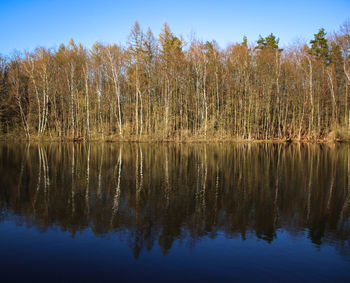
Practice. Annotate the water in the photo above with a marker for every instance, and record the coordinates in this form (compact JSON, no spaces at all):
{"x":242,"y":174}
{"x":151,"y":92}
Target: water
{"x":116,"y":212}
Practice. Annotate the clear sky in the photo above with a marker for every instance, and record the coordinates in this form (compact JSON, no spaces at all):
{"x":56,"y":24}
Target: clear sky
{"x":25,"y":25}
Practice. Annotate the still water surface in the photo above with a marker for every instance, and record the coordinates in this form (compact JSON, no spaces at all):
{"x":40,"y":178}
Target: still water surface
{"x":116,"y":212}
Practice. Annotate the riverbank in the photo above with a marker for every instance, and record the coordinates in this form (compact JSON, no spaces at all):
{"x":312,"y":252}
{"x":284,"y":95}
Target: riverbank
{"x":146,"y":139}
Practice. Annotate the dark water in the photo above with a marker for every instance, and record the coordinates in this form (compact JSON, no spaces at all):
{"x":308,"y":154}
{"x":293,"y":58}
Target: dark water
{"x":141,"y":212}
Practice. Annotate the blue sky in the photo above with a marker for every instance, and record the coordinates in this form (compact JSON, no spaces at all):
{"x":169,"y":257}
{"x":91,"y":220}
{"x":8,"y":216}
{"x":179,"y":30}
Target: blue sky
{"x":25,"y":25}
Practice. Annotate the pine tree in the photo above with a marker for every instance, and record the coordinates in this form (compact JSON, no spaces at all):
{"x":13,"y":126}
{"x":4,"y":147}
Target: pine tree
{"x":269,"y":42}
{"x":319,"y":46}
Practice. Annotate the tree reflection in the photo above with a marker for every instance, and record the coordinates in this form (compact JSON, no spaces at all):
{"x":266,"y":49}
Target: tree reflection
{"x":158,"y":194}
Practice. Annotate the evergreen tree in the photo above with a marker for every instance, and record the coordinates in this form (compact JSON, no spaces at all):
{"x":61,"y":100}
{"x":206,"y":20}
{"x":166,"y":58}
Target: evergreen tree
{"x":245,"y":41}
{"x":336,"y":59}
{"x":270,"y":42}
{"x":319,"y":46}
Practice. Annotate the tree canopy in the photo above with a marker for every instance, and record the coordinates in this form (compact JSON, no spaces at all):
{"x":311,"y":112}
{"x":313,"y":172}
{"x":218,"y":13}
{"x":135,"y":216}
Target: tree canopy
{"x":319,"y":46}
{"x":269,"y":42}
{"x":164,"y":88}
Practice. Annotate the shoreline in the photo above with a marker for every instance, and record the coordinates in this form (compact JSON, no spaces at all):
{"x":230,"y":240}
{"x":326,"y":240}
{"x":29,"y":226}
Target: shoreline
{"x":172,"y":140}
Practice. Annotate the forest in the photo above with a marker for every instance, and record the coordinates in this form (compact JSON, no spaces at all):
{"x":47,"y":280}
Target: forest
{"x":167,"y":89}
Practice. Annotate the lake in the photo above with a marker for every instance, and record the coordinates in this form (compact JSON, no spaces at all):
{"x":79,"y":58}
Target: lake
{"x":174,"y":212}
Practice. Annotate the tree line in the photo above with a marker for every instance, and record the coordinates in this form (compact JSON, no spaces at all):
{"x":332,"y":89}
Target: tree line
{"x":168,"y":89}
